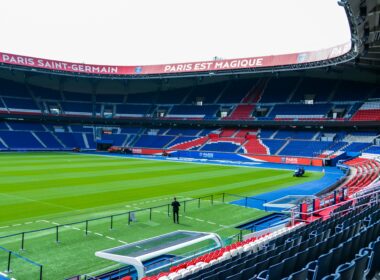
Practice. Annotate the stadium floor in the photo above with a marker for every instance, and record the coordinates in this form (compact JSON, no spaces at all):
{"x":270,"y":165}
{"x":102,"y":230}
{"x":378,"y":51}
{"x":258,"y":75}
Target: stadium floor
{"x":308,"y":188}
{"x":331,"y":176}
{"x":47,"y":190}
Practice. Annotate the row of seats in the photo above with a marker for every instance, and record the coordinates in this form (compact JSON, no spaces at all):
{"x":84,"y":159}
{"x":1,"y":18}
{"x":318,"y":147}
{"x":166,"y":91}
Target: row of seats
{"x":366,"y":172}
{"x":243,"y":140}
{"x":237,"y":112}
{"x":313,"y":251}
{"x":239,"y":97}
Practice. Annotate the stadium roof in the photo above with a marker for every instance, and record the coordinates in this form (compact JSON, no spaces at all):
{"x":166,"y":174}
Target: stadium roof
{"x":149,"y":32}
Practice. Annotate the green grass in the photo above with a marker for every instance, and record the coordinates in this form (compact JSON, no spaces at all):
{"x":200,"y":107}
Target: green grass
{"x":40,"y":190}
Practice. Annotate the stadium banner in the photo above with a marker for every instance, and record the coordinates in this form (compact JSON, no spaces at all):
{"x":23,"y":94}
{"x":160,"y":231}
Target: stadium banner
{"x":230,"y":156}
{"x":200,"y":66}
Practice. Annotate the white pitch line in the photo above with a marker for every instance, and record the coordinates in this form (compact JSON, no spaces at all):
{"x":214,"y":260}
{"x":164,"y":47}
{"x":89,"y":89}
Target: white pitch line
{"x":97,"y":233}
{"x":5,"y":227}
{"x":211,"y":223}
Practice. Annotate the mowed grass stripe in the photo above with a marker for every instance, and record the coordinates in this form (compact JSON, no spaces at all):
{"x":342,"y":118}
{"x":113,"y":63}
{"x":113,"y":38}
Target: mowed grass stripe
{"x":99,"y":184}
{"x":92,"y":171}
{"x":109,"y":196}
{"x":74,"y":163}
{"x":96,"y":184}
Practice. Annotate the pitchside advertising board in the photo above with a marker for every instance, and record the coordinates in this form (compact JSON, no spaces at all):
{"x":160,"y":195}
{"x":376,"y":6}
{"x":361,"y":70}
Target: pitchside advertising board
{"x":202,"y":66}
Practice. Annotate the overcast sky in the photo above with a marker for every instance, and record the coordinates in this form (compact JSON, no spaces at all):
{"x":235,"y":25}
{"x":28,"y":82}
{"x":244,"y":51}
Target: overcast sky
{"x":140,"y":32}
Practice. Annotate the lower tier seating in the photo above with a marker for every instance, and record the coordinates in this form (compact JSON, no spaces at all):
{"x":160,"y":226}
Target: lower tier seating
{"x":344,"y":244}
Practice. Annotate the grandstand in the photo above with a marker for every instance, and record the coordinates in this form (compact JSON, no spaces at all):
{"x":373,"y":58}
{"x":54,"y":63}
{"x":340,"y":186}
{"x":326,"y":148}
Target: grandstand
{"x":92,"y":161}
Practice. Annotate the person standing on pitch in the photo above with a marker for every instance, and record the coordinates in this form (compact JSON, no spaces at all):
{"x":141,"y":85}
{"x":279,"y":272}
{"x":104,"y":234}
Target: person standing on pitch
{"x":175,"y":205}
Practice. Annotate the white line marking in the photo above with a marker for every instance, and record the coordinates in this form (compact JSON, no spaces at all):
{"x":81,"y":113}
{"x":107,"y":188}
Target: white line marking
{"x":4,"y":227}
{"x":97,"y":233}
{"x":211,"y":223}
{"x":109,"y":237}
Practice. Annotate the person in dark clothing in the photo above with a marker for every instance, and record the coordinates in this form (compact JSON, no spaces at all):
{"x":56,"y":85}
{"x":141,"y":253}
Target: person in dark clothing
{"x":175,"y":205}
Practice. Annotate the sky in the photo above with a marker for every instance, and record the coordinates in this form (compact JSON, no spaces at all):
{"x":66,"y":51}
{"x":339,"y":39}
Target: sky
{"x":143,"y":32}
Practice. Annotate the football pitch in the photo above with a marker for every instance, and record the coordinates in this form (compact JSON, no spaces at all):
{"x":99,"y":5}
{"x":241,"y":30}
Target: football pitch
{"x":55,"y":190}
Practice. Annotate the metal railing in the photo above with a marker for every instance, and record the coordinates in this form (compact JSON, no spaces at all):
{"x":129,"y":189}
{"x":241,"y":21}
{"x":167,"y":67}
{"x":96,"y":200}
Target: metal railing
{"x":10,"y":259}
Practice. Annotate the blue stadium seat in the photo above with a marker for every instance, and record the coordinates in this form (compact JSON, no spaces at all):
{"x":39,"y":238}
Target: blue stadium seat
{"x":305,"y":148}
{"x":221,"y":147}
{"x":153,"y":141}
{"x":49,"y":140}
{"x":20,"y":140}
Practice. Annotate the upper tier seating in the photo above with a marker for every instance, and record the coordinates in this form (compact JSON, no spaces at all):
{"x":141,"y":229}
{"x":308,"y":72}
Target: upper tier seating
{"x":239,"y":96}
{"x":27,"y":106}
{"x":109,"y":98}
{"x":300,"y":111}
{"x":305,"y":148}
{"x":227,"y":132}
{"x":45,"y":93}
{"x":183,"y":131}
{"x":241,"y":112}
{"x":208,"y":93}
{"x":3,"y":108}
{"x":316,"y":89}
{"x":284,"y":134}
{"x":244,"y":131}
{"x":80,"y":128}
{"x":236,"y":91}
{"x":193,"y":111}
{"x":76,"y":108}
{"x":130,"y":130}
{"x":351,"y":91}
{"x":369,"y":111}
{"x":13,"y":89}
{"x":26,"y":126}
{"x":279,"y":90}
{"x":143,"y":98}
{"x":172,"y":96}
{"x":124,"y":110}
{"x":76,"y":96}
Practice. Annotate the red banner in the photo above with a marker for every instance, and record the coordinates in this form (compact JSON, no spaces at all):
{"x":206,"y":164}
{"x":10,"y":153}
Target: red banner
{"x":202,"y":66}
